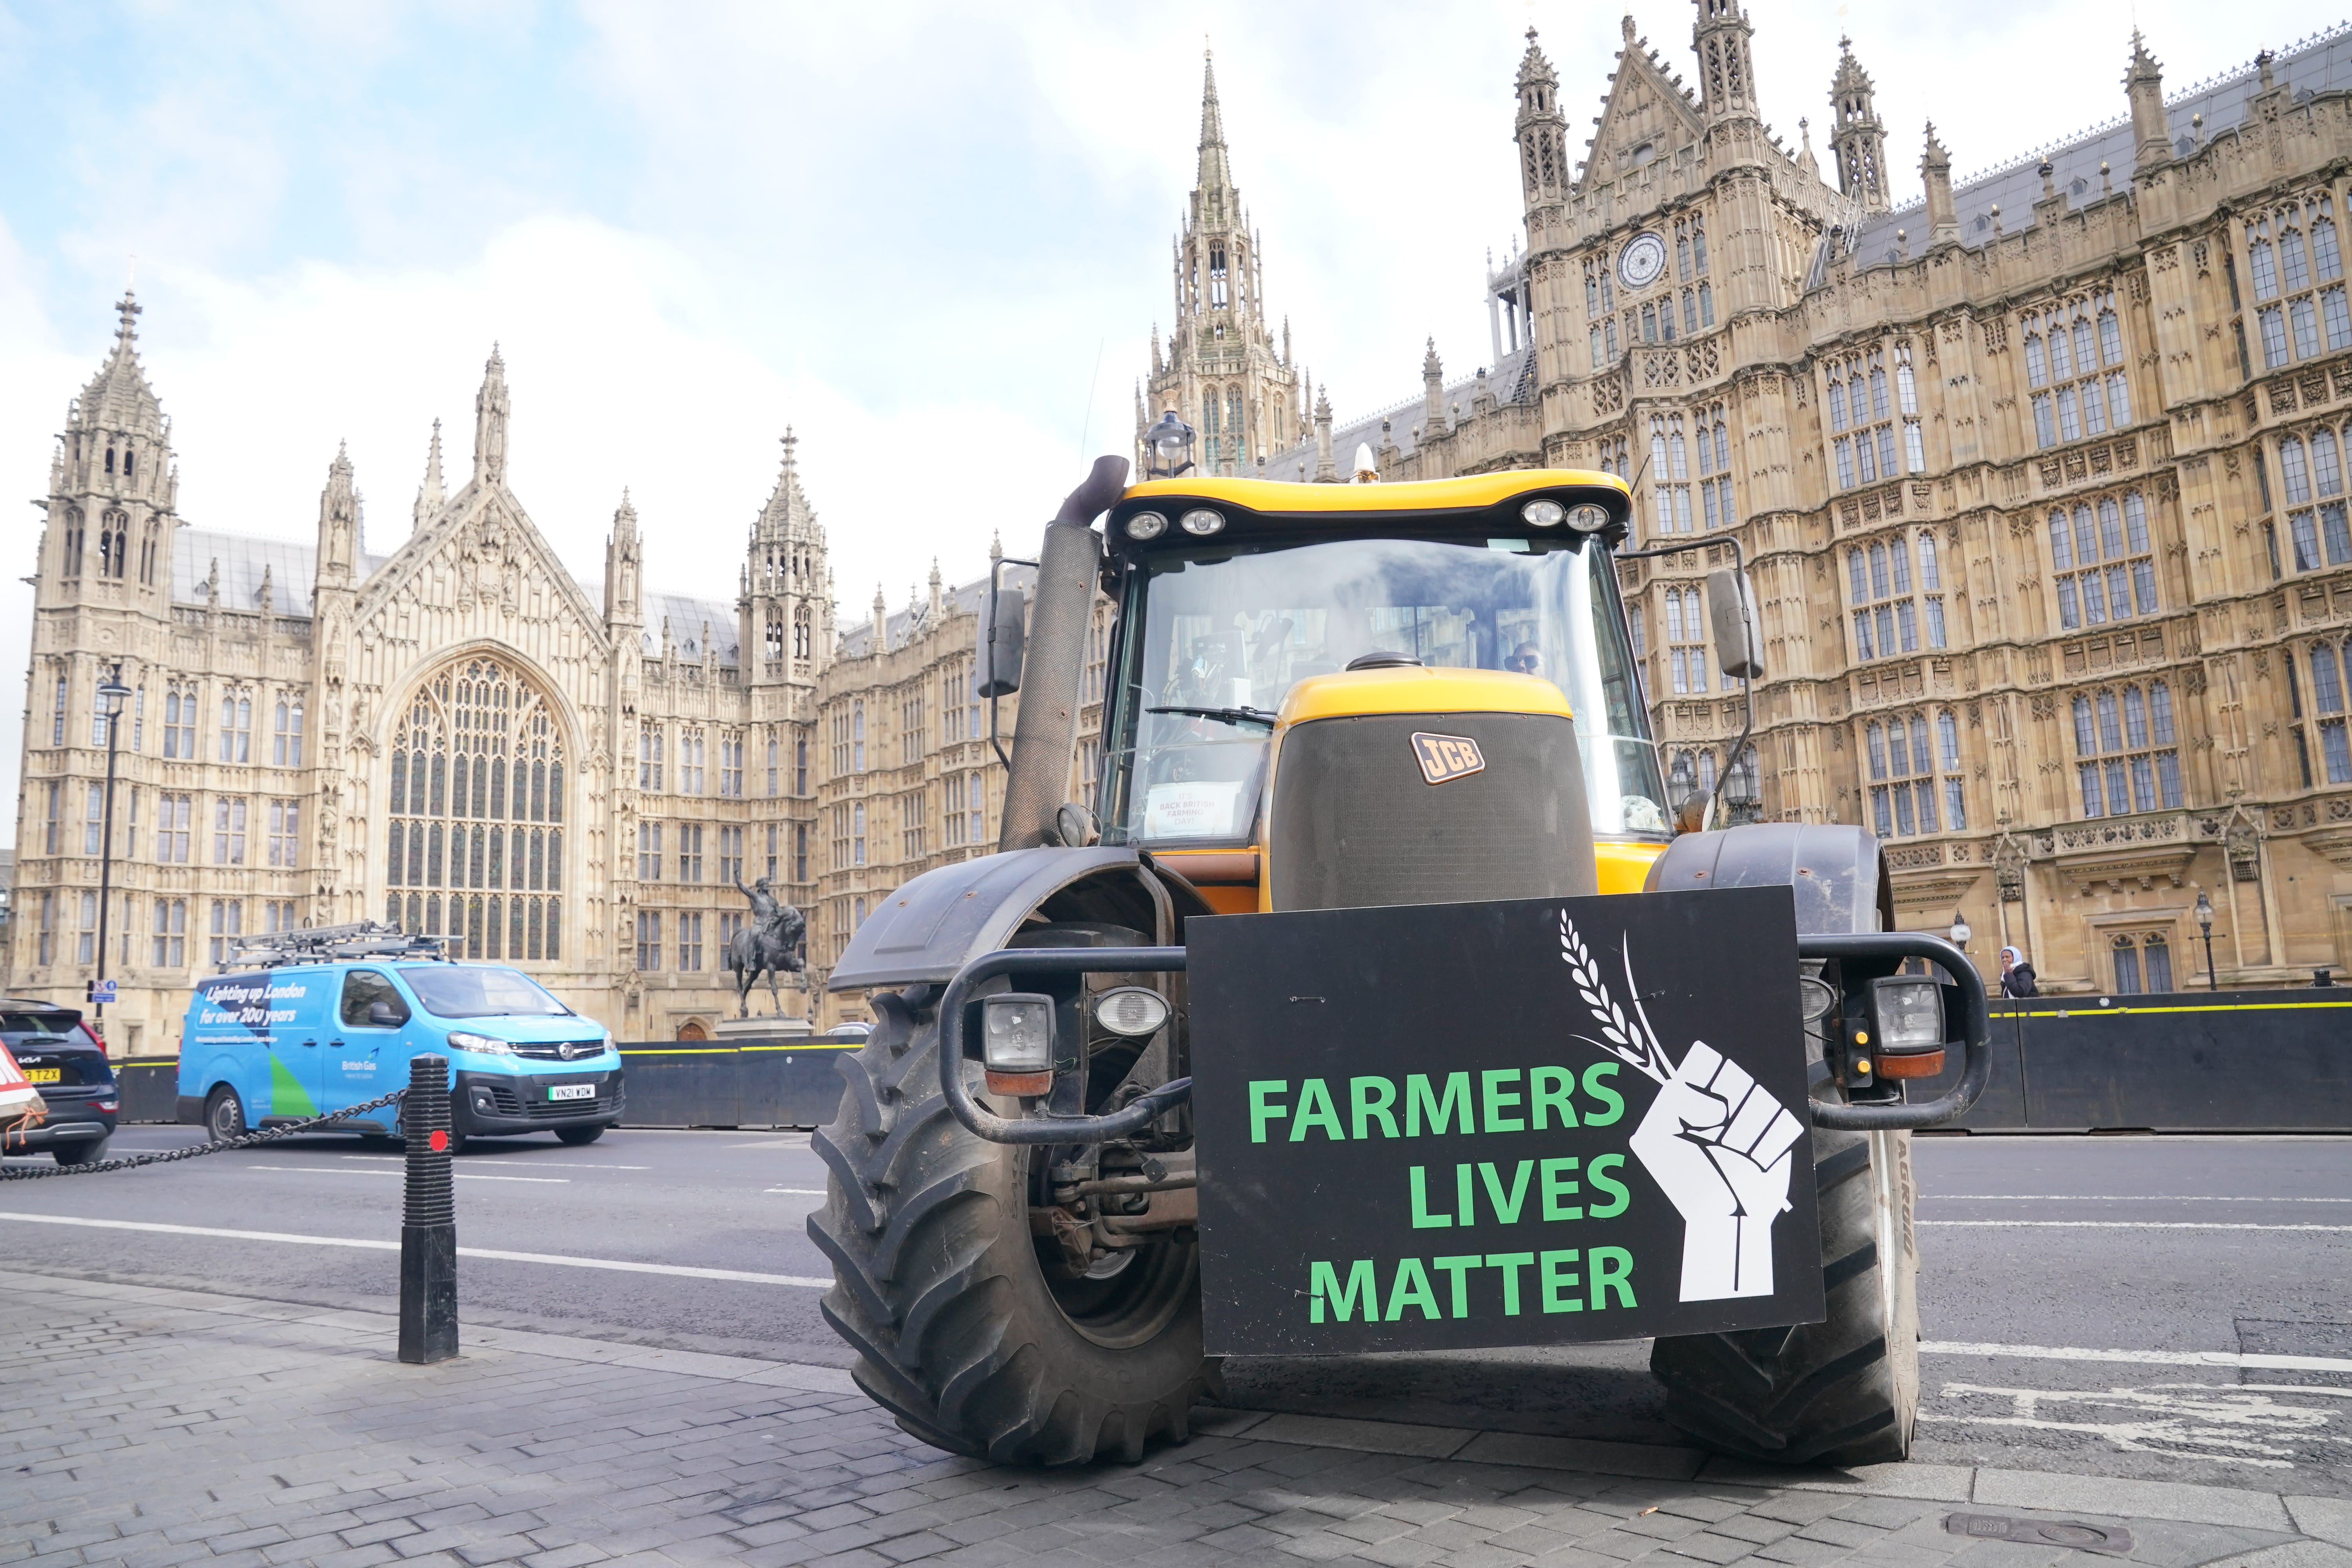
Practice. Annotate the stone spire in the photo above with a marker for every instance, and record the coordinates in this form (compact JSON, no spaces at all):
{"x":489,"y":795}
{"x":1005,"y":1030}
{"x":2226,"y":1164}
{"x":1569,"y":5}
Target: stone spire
{"x":1857,"y":139}
{"x":1326,"y":471}
{"x":880,"y":641}
{"x":623,"y":553}
{"x":939,"y":594}
{"x":339,"y":522}
{"x":1935,"y":169}
{"x":1727,"y":71}
{"x":490,"y":411}
{"x":430,"y":497}
{"x":1432,"y":393}
{"x":1806,"y":161}
{"x":1541,"y":132}
{"x":1215,"y":170}
{"x":2144,"y":85}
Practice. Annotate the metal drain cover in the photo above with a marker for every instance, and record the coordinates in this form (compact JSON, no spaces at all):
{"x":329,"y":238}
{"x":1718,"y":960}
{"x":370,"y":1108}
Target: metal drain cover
{"x":2109,"y":1539}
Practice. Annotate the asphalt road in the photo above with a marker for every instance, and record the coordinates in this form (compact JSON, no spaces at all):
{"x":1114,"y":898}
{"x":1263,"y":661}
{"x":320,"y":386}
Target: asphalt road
{"x":2220,"y":1270}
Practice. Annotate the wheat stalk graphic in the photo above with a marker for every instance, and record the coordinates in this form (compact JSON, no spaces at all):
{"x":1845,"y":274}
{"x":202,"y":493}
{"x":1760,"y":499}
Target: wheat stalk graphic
{"x":1629,"y":1038}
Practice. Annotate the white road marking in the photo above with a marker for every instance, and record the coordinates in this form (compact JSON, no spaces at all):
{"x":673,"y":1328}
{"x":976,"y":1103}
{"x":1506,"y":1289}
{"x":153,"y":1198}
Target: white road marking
{"x":461,"y":1176}
{"x":2244,"y":1360}
{"x":797,"y":1192}
{"x":535,"y":1164}
{"x":2109,"y":1198}
{"x":2121,"y":1225}
{"x":618,"y":1264}
{"x":2224,"y":1423}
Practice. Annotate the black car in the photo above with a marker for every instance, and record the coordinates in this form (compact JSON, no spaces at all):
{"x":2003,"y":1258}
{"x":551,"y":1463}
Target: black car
{"x":68,"y":1064}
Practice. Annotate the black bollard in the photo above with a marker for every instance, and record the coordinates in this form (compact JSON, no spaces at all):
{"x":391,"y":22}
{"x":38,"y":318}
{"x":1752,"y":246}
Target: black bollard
{"x":428,"y":1227}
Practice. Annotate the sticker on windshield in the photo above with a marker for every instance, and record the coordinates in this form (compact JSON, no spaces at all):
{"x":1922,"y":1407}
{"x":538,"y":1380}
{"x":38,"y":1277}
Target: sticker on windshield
{"x":1445,"y":758}
{"x":1194,"y":808}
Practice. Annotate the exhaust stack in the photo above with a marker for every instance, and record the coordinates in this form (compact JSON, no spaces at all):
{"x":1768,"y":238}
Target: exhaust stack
{"x":1045,"y":731}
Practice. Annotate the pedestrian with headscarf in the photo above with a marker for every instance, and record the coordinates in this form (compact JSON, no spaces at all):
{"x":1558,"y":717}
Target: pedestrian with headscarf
{"x":2016,"y":974}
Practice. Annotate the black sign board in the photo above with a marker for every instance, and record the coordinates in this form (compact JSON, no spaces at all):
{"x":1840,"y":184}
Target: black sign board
{"x":1452,"y":1126}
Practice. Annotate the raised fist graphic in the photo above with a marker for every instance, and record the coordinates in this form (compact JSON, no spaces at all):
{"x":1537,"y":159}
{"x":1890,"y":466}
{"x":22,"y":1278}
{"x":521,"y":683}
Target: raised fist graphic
{"x":1718,"y":1144}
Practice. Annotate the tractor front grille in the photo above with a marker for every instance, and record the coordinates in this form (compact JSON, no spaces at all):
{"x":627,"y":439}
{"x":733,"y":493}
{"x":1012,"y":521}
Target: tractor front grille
{"x":1355,"y":823}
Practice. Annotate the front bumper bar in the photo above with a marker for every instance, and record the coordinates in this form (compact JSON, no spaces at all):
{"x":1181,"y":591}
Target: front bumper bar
{"x":1976,"y":1038}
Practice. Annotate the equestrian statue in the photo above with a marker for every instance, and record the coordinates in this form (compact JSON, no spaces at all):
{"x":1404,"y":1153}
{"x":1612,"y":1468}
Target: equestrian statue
{"x":776,"y":942}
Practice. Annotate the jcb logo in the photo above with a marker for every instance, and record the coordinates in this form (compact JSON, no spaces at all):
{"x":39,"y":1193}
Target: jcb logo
{"x":1445,"y":758}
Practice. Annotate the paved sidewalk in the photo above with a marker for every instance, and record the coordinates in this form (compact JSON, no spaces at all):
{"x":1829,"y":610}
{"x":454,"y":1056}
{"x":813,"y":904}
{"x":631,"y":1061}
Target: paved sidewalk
{"x":147,"y":1426}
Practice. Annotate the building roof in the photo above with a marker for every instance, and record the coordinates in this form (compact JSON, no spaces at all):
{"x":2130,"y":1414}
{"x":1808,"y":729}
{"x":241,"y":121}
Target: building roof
{"x":241,"y":559}
{"x":2321,"y":63}
{"x":902,"y":626}
{"x":688,"y":617}
{"x":1509,"y":381}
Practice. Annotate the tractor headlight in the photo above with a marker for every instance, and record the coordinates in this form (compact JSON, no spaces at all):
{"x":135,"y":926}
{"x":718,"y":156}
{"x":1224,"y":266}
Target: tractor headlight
{"x":1543,"y":514}
{"x":1588,"y":518}
{"x":1200,"y":522}
{"x":461,"y":1040}
{"x":1145,"y":525}
{"x":1016,"y":1031}
{"x":1909,"y":1012}
{"x":1134,"y":1011}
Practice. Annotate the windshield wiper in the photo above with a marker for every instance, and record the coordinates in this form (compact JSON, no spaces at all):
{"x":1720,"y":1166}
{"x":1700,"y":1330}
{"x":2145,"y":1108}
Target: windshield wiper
{"x":1223,"y":715}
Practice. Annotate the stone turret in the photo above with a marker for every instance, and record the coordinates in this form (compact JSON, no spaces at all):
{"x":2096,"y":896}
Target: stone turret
{"x":2144,"y":85}
{"x":1857,"y":139}
{"x":1935,"y":169}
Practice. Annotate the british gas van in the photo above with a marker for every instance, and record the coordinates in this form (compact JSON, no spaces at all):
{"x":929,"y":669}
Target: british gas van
{"x":290,"y":1040}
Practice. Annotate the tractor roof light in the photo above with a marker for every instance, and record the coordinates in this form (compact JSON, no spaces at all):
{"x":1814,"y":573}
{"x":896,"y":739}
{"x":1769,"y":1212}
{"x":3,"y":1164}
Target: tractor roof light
{"x":1145,"y":525}
{"x":1202,"y":521}
{"x":1588,"y":518}
{"x":1543,"y":513}
{"x":1134,"y":1011}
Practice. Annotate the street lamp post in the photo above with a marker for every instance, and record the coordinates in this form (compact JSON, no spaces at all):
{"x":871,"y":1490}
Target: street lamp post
{"x":2205,"y":924}
{"x":111,"y":695}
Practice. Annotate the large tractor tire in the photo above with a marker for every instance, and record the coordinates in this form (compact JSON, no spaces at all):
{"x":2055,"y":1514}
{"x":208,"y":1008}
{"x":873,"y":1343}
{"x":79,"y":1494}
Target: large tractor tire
{"x":967,"y":1328}
{"x":1843,"y":1391}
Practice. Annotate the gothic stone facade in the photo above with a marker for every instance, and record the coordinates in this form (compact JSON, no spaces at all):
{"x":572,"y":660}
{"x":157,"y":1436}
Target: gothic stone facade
{"x":2041,"y":482}
{"x":458,"y":736}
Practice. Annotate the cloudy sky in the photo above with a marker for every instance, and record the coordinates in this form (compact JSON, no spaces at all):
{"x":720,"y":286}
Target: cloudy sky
{"x":934,"y":238}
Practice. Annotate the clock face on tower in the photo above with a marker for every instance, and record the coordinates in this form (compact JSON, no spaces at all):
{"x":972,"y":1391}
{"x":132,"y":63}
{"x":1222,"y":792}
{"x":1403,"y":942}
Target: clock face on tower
{"x":1638,"y":264}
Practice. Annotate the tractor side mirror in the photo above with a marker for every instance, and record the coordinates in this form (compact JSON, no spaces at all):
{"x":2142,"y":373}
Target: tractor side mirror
{"x":997,"y":653}
{"x":1731,"y":614}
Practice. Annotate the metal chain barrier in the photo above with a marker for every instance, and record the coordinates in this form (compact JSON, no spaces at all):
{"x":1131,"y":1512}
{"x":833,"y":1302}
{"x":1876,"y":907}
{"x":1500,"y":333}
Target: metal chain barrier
{"x":195,"y":1151}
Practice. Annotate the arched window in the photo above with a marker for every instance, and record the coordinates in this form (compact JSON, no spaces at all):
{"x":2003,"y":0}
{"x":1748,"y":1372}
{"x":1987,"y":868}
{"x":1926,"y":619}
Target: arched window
{"x":490,"y":745}
{"x":1237,"y":424}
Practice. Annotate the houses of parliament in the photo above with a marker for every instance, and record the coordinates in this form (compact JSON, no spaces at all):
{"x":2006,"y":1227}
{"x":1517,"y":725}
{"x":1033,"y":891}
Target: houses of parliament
{"x":2042,"y":482}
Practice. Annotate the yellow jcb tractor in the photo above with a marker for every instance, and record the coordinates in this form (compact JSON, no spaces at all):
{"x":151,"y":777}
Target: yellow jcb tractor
{"x":1340,"y":719}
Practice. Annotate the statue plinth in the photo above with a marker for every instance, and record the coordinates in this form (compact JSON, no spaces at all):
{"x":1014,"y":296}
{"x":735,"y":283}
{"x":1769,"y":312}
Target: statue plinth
{"x":771,"y":1028}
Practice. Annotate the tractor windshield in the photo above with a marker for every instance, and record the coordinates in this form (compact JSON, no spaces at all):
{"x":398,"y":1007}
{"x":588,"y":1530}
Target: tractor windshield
{"x":1225,"y":631}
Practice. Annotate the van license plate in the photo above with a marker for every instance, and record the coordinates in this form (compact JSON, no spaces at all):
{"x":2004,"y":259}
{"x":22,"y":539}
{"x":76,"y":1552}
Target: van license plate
{"x":45,"y":1074}
{"x":572,"y":1091}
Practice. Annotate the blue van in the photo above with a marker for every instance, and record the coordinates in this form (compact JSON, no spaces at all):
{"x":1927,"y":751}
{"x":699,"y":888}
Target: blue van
{"x":292,"y":1040}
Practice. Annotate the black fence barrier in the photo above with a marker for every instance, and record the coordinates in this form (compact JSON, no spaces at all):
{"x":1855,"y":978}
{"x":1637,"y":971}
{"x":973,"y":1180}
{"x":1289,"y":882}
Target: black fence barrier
{"x":786,"y":1081}
{"x":2176,"y":1061}
{"x":789,"y":1081}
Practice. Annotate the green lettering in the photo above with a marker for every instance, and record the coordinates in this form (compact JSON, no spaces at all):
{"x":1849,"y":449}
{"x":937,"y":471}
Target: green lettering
{"x":1549,"y":1089}
{"x":1422,"y":1218}
{"x":1558,"y":1279}
{"x":1496,"y":1099}
{"x":1613,"y":1268}
{"x":1411,"y":1290}
{"x":1459,"y":1268}
{"x":1316,"y":1110}
{"x":1598,"y":1172}
{"x":1418,"y":1096}
{"x":1510,"y":1263}
{"x":1465,"y":1208}
{"x":1506,"y":1209}
{"x":1602,"y":1091}
{"x":1261,"y":1112}
{"x":1363,"y":1291}
{"x":1557,"y":1184}
{"x":1369,"y":1097}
